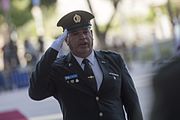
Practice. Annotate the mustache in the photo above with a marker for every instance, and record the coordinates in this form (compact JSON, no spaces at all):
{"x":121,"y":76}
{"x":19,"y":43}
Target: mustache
{"x":84,"y":38}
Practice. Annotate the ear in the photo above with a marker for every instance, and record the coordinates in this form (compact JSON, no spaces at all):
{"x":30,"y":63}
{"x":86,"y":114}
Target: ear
{"x":67,"y":41}
{"x":91,"y":32}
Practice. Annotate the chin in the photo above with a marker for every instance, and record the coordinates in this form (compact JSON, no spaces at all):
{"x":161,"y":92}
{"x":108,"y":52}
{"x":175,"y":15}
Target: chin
{"x":84,"y":49}
{"x":85,"y":52}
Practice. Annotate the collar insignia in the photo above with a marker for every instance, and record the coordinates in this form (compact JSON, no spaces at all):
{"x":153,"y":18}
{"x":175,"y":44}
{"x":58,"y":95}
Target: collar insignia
{"x":103,"y":62}
{"x":70,"y":64}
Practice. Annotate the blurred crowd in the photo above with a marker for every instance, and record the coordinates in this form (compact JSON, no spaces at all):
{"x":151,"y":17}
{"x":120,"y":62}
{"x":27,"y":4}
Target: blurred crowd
{"x":14,"y":75}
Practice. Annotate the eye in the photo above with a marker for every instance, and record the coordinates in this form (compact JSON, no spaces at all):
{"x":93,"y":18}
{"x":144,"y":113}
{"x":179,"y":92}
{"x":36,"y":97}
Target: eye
{"x":85,"y":31}
{"x":75,"y":33}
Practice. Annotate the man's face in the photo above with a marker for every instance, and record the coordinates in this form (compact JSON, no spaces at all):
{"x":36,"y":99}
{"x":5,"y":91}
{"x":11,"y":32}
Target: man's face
{"x":80,"y":42}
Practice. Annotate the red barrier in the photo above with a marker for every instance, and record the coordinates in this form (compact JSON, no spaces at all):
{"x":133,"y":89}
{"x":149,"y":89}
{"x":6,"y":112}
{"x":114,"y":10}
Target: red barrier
{"x":12,"y":115}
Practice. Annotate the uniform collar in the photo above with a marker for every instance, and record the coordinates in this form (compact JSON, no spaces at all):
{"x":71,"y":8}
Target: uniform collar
{"x":91,"y":58}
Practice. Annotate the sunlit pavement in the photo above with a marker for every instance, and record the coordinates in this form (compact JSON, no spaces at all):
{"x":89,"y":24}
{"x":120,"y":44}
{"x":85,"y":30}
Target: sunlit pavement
{"x":49,"y":109}
{"x":142,"y":75}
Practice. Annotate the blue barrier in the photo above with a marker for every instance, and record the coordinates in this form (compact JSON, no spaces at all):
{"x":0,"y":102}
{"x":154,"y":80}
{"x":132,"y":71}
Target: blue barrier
{"x":19,"y":78}
{"x":2,"y":82}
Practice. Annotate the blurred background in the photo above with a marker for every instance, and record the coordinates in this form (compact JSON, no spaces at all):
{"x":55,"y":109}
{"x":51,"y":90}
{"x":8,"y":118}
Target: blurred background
{"x":145,"y":32}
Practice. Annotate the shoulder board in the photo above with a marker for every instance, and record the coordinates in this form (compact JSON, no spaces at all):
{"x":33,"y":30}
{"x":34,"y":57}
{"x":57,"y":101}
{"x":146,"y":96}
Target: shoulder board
{"x":60,"y":59}
{"x":108,"y":52}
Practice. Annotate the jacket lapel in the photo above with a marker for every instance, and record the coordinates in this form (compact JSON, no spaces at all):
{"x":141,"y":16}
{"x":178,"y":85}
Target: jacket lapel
{"x":104,"y":65}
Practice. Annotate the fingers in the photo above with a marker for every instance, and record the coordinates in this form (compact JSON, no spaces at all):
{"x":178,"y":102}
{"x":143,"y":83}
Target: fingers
{"x":63,"y":36}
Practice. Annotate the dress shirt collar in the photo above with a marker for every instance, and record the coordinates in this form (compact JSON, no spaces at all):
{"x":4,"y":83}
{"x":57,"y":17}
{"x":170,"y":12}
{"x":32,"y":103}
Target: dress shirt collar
{"x":91,"y":58}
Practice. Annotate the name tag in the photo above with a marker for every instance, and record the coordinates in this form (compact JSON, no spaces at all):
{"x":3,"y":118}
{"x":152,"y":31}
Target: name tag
{"x":71,"y":78}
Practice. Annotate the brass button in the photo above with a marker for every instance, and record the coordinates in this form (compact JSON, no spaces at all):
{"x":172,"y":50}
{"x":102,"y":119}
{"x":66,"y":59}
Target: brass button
{"x":97,"y":98}
{"x":100,"y":114}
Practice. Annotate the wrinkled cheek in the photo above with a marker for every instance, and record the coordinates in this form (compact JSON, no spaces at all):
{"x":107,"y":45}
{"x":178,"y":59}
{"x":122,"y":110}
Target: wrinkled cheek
{"x":72,"y":48}
{"x":75,"y":49}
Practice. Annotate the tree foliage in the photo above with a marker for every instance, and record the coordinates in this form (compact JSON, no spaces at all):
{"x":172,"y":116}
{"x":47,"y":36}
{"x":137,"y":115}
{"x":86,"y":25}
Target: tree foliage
{"x":46,"y":3}
{"x":101,"y":34}
{"x":20,"y":11}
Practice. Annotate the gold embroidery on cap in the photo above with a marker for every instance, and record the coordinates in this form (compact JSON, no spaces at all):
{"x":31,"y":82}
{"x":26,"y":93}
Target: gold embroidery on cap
{"x":77,"y":18}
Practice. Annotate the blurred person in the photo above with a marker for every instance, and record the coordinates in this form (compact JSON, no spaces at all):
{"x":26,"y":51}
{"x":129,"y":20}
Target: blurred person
{"x":134,"y":50}
{"x":41,"y":46}
{"x":10,"y":56}
{"x":166,"y":105}
{"x":11,"y":62}
{"x":125,"y":52}
{"x":88,"y":84}
{"x":2,"y":82}
{"x":30,"y":53}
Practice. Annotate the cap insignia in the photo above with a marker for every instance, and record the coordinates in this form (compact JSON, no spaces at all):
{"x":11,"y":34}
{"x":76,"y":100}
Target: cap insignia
{"x":77,"y":18}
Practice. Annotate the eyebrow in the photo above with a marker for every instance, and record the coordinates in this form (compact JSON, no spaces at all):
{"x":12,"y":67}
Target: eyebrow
{"x":74,"y":31}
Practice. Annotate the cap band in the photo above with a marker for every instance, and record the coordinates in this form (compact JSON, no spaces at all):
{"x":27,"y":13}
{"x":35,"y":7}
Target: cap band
{"x":78,"y":26}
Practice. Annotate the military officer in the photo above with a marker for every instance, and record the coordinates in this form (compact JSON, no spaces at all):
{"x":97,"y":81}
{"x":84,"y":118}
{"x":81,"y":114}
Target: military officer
{"x":88,"y":84}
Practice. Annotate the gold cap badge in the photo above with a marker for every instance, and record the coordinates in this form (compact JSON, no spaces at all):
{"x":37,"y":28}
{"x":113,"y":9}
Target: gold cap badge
{"x":77,"y":18}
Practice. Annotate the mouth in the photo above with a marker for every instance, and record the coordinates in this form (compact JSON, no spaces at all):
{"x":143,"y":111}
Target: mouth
{"x":84,"y":45}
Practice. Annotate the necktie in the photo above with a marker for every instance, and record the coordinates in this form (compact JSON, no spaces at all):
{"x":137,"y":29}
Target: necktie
{"x":89,"y":73}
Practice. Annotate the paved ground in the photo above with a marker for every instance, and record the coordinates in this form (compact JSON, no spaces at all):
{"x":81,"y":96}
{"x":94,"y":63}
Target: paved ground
{"x":49,"y":109}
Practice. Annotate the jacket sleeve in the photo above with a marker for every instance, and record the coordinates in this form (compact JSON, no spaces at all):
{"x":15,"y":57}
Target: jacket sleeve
{"x":129,"y":95}
{"x":41,"y":86}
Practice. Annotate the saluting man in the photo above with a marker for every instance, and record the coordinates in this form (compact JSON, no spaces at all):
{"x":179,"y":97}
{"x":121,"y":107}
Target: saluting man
{"x":88,"y":84}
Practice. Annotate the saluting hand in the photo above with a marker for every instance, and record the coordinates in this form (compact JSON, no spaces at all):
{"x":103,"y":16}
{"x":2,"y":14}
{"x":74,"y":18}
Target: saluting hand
{"x":57,"y":44}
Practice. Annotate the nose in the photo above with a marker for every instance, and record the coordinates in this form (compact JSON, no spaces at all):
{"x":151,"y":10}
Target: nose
{"x":82,"y":35}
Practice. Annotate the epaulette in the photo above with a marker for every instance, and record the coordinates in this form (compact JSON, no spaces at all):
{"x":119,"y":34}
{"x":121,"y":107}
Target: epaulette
{"x":60,"y":59}
{"x":109,"y":52}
